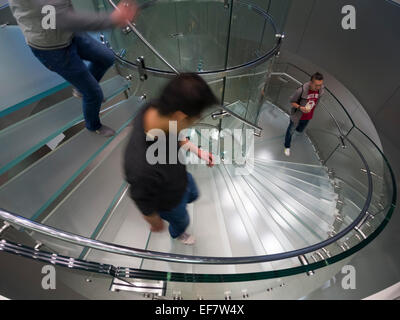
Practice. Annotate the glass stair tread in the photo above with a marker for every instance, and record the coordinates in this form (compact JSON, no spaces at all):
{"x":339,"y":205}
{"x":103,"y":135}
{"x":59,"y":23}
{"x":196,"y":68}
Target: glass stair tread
{"x":30,"y":193}
{"x":323,"y":184}
{"x":240,"y":242}
{"x":25,"y":137}
{"x":85,"y":209}
{"x":316,"y":191}
{"x":299,"y":232}
{"x":315,"y":223}
{"x":17,"y":61}
{"x":126,"y":227}
{"x":208,"y":222}
{"x":321,"y":208}
{"x":320,"y":189}
{"x":303,"y":167}
{"x":322,"y":178}
{"x":270,"y":233}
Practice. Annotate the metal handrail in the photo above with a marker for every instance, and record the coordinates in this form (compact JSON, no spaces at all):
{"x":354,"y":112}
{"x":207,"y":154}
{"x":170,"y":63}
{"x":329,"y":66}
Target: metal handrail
{"x":147,"y":44}
{"x":179,"y":258}
{"x":240,"y":118}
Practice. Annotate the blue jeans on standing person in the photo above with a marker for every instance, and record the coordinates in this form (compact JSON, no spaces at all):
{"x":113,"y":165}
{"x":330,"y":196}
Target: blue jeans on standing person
{"x":178,"y":217}
{"x":290,"y":130}
{"x":68,"y":63}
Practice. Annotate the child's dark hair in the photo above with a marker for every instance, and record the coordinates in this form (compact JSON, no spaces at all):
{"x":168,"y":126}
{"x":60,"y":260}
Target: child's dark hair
{"x":187,"y":92}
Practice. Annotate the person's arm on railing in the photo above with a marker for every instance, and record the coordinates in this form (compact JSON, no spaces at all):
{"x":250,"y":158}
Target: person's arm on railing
{"x":202,"y":154}
{"x":70,"y":20}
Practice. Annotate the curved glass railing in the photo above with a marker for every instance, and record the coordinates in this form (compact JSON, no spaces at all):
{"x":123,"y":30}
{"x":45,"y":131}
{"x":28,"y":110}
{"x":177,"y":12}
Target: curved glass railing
{"x":206,"y":37}
{"x":355,"y":176}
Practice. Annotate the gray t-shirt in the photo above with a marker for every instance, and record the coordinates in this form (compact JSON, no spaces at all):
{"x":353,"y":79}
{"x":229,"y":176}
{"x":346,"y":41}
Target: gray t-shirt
{"x":29,"y":17}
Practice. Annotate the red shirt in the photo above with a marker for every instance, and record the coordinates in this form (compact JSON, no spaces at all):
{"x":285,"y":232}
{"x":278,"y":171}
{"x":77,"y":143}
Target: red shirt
{"x":312,"y":99}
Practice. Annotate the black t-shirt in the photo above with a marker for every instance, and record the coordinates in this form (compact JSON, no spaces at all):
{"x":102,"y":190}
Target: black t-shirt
{"x":153,"y":187}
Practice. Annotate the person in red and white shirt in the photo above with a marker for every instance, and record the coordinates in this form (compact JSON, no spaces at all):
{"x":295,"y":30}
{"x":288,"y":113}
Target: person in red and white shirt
{"x":304,"y":101}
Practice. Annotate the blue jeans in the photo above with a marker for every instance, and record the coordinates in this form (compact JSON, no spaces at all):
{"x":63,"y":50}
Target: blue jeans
{"x":178,"y":217}
{"x":290,"y":130}
{"x":68,"y":63}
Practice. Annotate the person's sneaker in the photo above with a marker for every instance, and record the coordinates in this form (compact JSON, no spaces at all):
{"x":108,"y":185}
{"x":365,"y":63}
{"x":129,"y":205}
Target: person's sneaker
{"x":105,"y":131}
{"x":187,"y":239}
{"x":76,"y":93}
{"x":287,"y":152}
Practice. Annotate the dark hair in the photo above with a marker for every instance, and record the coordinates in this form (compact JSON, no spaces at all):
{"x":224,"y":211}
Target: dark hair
{"x":187,"y":92}
{"x":317,"y":76}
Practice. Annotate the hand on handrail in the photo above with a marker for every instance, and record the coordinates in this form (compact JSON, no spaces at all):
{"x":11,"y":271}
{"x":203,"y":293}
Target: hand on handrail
{"x":126,"y":12}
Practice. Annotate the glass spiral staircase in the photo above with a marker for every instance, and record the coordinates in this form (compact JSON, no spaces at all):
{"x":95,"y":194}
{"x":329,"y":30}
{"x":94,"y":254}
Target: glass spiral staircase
{"x":267,"y":226}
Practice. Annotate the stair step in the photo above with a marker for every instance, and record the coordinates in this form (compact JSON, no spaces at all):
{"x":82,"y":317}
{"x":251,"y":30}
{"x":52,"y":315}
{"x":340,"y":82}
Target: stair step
{"x":269,"y":232}
{"x":297,"y":230}
{"x":318,"y":180}
{"x":162,"y":242}
{"x":85,"y":208}
{"x":242,"y":242}
{"x":315,"y":222}
{"x":322,"y":208}
{"x":33,"y":190}
{"x":125,"y":227}
{"x":24,"y":80}
{"x":309,"y":168}
{"x":25,"y":137}
{"x":208,"y":222}
{"x":318,"y":192}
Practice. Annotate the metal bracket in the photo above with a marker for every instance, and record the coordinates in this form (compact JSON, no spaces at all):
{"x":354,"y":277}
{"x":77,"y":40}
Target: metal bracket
{"x":304,"y":262}
{"x":141,"y":68}
{"x":219,"y":115}
{"x":104,"y":41}
{"x":5,"y":226}
{"x":139,"y":285}
{"x":126,"y":30}
{"x":121,"y":53}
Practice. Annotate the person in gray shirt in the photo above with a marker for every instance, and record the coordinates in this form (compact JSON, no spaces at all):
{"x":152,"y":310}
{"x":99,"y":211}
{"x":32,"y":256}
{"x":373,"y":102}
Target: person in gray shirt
{"x":64,"y":47}
{"x":304,"y":102}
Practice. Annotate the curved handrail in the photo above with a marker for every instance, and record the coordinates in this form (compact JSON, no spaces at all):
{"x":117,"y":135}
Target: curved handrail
{"x":143,"y":39}
{"x":179,"y":258}
{"x":218,"y":73}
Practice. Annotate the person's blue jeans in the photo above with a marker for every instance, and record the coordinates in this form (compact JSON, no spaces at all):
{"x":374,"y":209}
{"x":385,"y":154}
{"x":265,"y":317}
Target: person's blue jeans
{"x":68,"y":63}
{"x":178,"y":217}
{"x":290,"y":130}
